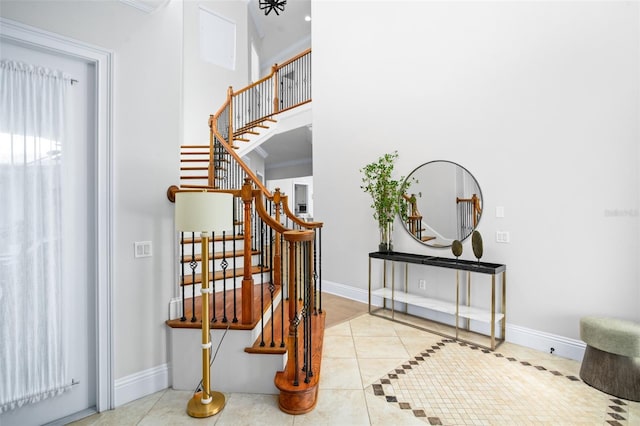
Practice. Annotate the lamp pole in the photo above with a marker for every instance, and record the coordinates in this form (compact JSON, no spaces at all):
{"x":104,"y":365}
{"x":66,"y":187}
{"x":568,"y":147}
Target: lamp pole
{"x":205,"y":403}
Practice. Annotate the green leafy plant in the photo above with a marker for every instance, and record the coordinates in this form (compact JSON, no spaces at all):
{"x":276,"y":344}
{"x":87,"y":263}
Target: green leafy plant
{"x":386,"y":192}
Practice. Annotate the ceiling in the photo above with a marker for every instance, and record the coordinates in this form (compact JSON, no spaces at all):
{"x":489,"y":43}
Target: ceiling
{"x":284,"y":36}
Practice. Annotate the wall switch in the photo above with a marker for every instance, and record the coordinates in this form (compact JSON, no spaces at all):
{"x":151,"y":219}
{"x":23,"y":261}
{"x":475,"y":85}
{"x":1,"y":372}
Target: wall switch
{"x":422,"y":284}
{"x":142,"y":249}
{"x":500,"y":211}
{"x":502,"y":236}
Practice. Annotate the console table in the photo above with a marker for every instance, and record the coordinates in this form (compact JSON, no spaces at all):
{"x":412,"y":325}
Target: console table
{"x":465,"y":311}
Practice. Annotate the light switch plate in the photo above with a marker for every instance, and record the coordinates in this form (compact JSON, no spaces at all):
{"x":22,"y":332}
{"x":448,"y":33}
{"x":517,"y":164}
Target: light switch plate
{"x":142,"y":249}
{"x":502,"y":236}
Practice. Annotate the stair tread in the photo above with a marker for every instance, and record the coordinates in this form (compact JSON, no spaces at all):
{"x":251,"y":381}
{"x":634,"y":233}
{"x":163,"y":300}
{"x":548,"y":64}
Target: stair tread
{"x":194,"y":160}
{"x":220,"y":299}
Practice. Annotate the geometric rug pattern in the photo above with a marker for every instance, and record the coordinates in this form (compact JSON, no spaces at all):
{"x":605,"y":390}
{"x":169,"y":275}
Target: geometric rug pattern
{"x":454,"y":383}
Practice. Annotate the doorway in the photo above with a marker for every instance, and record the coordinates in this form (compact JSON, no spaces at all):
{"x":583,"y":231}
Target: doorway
{"x":81,"y":227}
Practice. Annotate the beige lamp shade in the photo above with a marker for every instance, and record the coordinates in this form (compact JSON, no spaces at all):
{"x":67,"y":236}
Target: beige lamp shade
{"x":204,"y":211}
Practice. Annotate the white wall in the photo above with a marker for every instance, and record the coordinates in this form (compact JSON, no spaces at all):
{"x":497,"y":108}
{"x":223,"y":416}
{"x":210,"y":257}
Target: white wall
{"x":163,"y":96}
{"x":146,"y":136}
{"x":205,"y":84}
{"x":539,"y":100}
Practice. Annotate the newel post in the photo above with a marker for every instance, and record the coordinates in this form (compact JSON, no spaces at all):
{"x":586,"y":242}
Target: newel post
{"x":247,"y":279}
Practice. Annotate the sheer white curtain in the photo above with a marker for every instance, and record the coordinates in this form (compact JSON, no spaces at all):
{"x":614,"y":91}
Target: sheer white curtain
{"x":32,"y":350}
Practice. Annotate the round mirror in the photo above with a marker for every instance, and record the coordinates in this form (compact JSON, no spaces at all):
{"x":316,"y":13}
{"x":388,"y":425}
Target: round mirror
{"x":443,"y":203}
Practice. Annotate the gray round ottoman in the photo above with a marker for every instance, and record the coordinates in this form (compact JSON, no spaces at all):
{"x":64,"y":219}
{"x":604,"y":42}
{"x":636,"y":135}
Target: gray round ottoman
{"x":611,"y":361}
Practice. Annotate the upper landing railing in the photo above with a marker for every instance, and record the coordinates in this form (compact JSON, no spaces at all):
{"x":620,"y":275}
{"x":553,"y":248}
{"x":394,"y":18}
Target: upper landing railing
{"x":248,"y":111}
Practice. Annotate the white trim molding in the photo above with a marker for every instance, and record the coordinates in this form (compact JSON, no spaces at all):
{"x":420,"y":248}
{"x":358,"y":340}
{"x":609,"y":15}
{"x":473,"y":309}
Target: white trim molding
{"x":142,"y":383}
{"x":102,"y":59}
{"x":564,"y":347}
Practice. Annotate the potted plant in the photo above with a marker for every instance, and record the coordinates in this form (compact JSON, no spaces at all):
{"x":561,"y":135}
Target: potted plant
{"x":386,"y":193}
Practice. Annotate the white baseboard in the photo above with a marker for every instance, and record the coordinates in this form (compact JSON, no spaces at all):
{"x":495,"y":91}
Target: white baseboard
{"x":346,"y":291}
{"x":142,"y":383}
{"x":564,"y":347}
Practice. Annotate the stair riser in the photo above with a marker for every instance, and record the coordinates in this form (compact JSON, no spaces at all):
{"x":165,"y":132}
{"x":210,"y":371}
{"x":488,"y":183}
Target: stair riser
{"x":233,"y":370}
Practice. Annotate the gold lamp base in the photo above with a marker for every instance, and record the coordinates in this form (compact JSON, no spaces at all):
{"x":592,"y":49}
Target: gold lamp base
{"x":195,"y":407}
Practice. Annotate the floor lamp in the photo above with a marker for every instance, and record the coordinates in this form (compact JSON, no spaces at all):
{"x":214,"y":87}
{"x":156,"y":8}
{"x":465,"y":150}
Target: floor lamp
{"x":203,"y":212}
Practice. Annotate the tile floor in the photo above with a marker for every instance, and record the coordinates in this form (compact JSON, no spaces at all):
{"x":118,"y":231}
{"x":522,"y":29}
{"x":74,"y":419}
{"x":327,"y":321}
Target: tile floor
{"x":377,"y":372}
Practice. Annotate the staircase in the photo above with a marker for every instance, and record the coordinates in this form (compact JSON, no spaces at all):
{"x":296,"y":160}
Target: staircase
{"x":267,"y":322}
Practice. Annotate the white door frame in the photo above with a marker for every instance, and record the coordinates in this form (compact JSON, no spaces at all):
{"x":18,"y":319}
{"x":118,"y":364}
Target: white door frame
{"x":102,"y":59}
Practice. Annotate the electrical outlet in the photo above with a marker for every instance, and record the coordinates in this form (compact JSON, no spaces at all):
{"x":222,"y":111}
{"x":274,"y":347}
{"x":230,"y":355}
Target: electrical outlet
{"x":422,"y":284}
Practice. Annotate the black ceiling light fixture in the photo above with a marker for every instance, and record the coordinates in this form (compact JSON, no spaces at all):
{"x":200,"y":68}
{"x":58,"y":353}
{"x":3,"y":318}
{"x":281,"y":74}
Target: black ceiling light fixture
{"x":275,"y":5}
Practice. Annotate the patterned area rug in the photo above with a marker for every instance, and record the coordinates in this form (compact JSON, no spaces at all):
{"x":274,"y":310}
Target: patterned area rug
{"x":455,"y":383}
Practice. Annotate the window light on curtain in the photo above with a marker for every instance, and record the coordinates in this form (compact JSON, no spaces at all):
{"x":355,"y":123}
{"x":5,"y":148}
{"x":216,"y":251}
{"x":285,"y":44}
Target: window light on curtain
{"x":32,"y":349}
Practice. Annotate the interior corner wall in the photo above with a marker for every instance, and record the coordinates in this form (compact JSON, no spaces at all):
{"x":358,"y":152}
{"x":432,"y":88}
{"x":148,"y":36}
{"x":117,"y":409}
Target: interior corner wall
{"x":539,"y":100}
{"x":205,"y":84}
{"x":147,"y":96}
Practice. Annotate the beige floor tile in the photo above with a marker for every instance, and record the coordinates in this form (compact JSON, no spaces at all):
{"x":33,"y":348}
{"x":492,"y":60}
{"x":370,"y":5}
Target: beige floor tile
{"x":385,"y":414}
{"x":342,"y":329}
{"x":252,"y":409}
{"x":416,"y":343}
{"x":128,"y":414}
{"x":338,"y":347}
{"x":171,"y":409}
{"x":451,"y":384}
{"x":340,"y":373}
{"x":379,"y":347}
{"x":337,"y":407}
{"x":372,"y":369}
{"x":369,"y":325}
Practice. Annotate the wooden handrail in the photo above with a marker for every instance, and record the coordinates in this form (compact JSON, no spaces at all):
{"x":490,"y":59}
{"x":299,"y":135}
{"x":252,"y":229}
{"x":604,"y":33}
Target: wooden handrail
{"x":295,"y":58}
{"x":295,"y":219}
{"x":228,"y":143}
{"x":274,"y":69}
